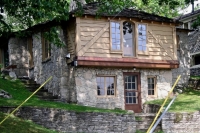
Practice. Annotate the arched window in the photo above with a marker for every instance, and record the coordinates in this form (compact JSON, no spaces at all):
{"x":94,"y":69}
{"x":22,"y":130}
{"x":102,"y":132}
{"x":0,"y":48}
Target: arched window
{"x":128,"y":39}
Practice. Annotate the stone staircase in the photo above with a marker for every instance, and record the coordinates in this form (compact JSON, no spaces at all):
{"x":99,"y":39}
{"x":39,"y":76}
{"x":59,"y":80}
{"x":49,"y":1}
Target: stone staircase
{"x":42,"y":94}
{"x":144,"y":121}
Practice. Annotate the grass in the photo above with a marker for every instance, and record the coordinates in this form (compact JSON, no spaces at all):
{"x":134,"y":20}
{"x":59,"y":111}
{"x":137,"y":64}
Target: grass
{"x":16,"y":125}
{"x":20,"y":93}
{"x":195,"y":77}
{"x":186,"y":102}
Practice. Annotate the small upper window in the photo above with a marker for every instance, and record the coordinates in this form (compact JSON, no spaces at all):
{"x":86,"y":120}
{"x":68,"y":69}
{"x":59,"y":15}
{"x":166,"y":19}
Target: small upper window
{"x":142,"y":37}
{"x":30,"y":49}
{"x":106,"y":86}
{"x":46,"y":49}
{"x":116,"y":37}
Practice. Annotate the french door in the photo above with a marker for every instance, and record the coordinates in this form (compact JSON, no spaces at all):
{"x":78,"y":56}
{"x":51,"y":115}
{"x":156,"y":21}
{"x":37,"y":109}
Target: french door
{"x":132,"y":92}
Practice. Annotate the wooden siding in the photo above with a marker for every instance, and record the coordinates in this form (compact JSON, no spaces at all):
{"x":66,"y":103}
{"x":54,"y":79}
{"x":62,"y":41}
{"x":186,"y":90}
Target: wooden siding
{"x":93,"y":39}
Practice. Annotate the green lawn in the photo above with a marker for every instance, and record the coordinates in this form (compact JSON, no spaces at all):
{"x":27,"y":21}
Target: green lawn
{"x":16,"y":125}
{"x":20,"y":93}
{"x":189,"y":101}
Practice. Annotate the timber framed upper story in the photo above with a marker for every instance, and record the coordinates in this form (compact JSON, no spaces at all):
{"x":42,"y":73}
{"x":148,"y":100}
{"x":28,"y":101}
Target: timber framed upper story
{"x":129,"y":38}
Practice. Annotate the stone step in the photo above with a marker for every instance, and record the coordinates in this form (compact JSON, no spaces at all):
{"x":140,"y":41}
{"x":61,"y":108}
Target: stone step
{"x":34,"y":89}
{"x":32,"y":85}
{"x":28,"y":81}
{"x":43,"y":94}
{"x":40,"y":93}
{"x":48,"y":97}
{"x":144,"y":121}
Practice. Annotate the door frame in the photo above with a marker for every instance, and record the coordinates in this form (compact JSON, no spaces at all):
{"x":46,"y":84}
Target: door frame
{"x":138,"y":87}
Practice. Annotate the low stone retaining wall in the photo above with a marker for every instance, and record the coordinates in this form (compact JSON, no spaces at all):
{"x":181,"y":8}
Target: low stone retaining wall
{"x":181,"y":123}
{"x":69,"y":121}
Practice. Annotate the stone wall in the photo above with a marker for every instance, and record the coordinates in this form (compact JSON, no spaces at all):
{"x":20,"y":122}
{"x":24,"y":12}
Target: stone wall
{"x":183,"y":55}
{"x":18,"y":55}
{"x":195,"y":71}
{"x":86,"y":86}
{"x":70,"y":122}
{"x":181,"y":123}
{"x":55,"y":66}
{"x":194,"y":43}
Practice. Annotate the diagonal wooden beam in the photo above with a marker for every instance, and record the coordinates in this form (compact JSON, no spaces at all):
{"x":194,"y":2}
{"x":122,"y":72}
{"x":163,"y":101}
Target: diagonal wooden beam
{"x":161,"y":44}
{"x":82,"y":51}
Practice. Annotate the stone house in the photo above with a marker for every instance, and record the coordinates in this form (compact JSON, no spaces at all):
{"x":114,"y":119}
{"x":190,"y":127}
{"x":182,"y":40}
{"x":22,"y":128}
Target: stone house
{"x":115,"y":61}
{"x":191,"y":43}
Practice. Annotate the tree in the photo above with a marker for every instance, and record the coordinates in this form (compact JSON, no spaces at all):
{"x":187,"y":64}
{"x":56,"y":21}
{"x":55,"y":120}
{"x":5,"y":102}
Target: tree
{"x":166,"y":8}
{"x":21,"y":14}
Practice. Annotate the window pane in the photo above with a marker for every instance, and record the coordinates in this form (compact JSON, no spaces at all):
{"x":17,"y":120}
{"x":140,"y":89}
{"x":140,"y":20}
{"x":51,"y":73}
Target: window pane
{"x":105,"y":86}
{"x":129,"y":86}
{"x":133,"y":85}
{"x":134,"y":100}
{"x":151,"y":86}
{"x":149,"y":92}
{"x":116,"y":38}
{"x":110,"y":85}
{"x":127,"y":100}
{"x":129,"y":78}
{"x":128,"y":38}
{"x":130,"y":99}
{"x":142,"y":37}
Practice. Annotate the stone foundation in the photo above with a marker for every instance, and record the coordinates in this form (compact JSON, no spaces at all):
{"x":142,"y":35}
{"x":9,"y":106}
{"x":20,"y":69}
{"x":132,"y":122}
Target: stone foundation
{"x":86,"y":86}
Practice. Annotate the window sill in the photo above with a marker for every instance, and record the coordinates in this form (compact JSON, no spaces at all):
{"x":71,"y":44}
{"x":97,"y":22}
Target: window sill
{"x":133,"y":57}
{"x":46,"y":60}
{"x":106,"y":96}
{"x":143,"y":52}
{"x":152,"y":96}
{"x":115,"y":52}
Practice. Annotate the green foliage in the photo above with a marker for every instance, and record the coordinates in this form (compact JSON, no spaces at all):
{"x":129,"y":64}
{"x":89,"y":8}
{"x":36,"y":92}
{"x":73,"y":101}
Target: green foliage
{"x":22,"y":14}
{"x":53,"y":36}
{"x":178,"y":117}
{"x":196,"y":23}
{"x":166,"y":8}
{"x":185,"y":102}
{"x":16,"y":125}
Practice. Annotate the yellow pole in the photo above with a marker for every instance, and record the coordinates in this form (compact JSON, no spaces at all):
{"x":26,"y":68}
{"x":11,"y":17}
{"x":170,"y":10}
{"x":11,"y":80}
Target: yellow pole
{"x":163,"y":104}
{"x":25,"y":100}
